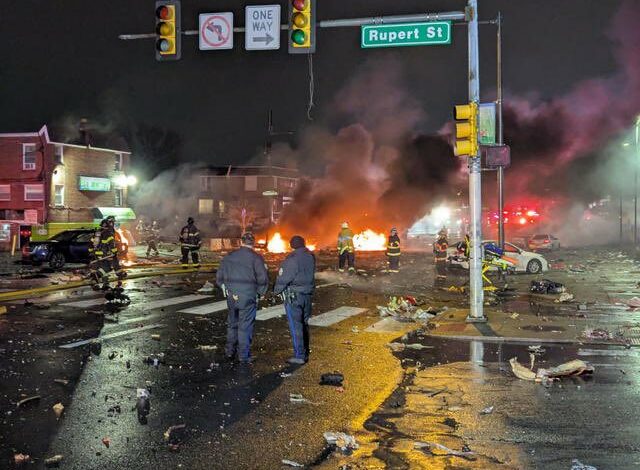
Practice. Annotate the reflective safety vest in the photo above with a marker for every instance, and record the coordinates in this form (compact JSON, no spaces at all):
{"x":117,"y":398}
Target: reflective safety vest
{"x":393,"y":246}
{"x":345,"y":241}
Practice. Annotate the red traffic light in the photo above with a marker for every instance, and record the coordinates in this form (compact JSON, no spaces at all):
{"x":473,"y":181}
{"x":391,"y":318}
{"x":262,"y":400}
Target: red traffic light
{"x":164,"y":13}
{"x":299,"y":4}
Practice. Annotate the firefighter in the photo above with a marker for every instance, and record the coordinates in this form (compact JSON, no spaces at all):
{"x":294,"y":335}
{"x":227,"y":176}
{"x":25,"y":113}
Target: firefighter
{"x":105,"y":252}
{"x":440,"y":255}
{"x":295,"y":284}
{"x":243,"y":277}
{"x":190,"y":242}
{"x":153,"y":234}
{"x":346,"y":250}
{"x":393,"y":251}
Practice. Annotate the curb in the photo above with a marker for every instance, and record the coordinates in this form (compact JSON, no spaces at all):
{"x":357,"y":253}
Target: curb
{"x":514,"y":339}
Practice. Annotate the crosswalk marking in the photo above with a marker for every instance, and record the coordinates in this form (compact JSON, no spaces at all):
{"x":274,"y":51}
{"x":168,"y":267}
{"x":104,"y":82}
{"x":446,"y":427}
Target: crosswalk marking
{"x":335,"y":316}
{"x":85,"y":303}
{"x":206,"y":308}
{"x":110,"y":335}
{"x":271,"y":312}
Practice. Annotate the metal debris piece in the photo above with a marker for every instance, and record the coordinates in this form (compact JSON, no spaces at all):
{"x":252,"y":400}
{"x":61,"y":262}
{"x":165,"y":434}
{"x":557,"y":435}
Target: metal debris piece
{"x":398,"y":347}
{"x":171,"y":434}
{"x":58,"y":408}
{"x":106,"y":441}
{"x":206,"y":288}
{"x":342,"y":441}
{"x":291,"y":463}
{"x":429,"y":447}
{"x":486,"y":411}
{"x":28,"y":400}
{"x":54,"y":461}
{"x":577,"y":465}
{"x":20,"y":459}
{"x":520,"y":371}
{"x":61,"y":381}
{"x":571,"y":368}
{"x":332,"y":378}
{"x":564,"y":297}
{"x":207,"y":347}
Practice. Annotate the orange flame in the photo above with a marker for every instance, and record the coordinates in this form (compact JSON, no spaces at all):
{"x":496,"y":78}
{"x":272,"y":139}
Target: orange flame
{"x":370,"y":241}
{"x":276,"y":244}
{"x":123,"y":239}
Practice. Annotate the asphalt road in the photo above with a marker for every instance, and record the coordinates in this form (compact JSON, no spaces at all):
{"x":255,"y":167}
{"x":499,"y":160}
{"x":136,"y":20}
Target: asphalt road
{"x":237,"y":417}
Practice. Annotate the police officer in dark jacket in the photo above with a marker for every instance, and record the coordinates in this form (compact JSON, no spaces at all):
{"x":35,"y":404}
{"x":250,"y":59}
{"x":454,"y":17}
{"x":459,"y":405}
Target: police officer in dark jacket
{"x":190,"y":242}
{"x":243,"y":277}
{"x":296,"y":284}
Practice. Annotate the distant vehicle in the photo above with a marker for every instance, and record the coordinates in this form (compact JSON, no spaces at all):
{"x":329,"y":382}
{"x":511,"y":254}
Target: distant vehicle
{"x":544,"y":241}
{"x":70,"y":246}
{"x":525,"y":261}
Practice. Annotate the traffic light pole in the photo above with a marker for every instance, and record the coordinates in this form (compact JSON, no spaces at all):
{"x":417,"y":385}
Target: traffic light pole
{"x":500,"y":129}
{"x":476,"y":293}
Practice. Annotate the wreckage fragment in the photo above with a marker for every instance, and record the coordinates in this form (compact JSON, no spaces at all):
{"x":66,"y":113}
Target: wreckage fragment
{"x":571,"y":368}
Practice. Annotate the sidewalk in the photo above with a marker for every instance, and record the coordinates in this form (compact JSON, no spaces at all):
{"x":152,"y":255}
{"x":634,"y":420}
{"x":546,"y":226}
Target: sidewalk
{"x":564,"y":327}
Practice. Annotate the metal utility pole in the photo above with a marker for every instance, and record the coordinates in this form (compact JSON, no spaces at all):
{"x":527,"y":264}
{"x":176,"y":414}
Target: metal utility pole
{"x":500,"y":127}
{"x":476,"y":293}
{"x":635,"y":185}
{"x":620,"y":217}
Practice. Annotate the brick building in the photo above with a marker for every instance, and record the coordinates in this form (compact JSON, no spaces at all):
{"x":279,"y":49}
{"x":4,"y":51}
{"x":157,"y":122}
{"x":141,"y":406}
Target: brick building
{"x":233,"y":198}
{"x":49,"y":184}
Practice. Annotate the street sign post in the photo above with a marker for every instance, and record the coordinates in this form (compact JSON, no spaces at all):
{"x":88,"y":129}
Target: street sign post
{"x":215,"y":31}
{"x":406,"y":34}
{"x":262,"y":23}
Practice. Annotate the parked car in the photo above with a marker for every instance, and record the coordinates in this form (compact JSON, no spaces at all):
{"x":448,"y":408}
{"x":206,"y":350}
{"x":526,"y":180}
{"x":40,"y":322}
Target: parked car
{"x":524,"y":261}
{"x":543,"y":241}
{"x":70,"y":246}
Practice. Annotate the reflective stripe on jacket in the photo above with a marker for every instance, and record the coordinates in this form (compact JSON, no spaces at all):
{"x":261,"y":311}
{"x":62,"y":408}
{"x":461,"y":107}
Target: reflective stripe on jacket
{"x":190,"y":237}
{"x":393,"y":245}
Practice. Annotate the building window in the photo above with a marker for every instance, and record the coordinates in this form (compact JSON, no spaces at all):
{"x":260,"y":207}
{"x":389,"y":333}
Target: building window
{"x":59,"y":154}
{"x":28,"y":156}
{"x":119,"y":198}
{"x":34,"y":192}
{"x":250,"y":183}
{"x":58,"y":199}
{"x":206,"y":183}
{"x":118,"y":162}
{"x":221,"y":208}
{"x":205,"y":206}
{"x":5,"y":192}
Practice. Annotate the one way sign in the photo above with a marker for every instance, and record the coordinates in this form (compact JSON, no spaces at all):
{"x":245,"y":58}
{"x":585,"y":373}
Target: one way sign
{"x":262,"y":23}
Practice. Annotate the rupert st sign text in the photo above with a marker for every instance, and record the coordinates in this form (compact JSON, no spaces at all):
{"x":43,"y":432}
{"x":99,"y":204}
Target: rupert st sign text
{"x":406,"y":34}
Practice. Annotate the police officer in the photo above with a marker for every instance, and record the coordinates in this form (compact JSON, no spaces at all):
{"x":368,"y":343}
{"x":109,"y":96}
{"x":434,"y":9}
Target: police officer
{"x":346,"y":249}
{"x":243,"y":277}
{"x":393,"y":251}
{"x":296,"y":283}
{"x":190,"y":242}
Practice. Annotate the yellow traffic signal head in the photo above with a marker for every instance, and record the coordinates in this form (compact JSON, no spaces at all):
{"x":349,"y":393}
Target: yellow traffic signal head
{"x":168,"y":40}
{"x":302,"y":26}
{"x":467,"y":130}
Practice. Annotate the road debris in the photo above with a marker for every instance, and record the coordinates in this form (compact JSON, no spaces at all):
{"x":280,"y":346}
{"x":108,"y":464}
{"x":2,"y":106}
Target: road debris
{"x":332,"y":378}
{"x":21,"y":459}
{"x":174,"y":434}
{"x":291,"y":463}
{"x":571,"y":368}
{"x":564,"y":297}
{"x":155,"y":337}
{"x":486,"y":411}
{"x":547,"y":286}
{"x":634,"y":302}
{"x":597,"y":334}
{"x":536,"y":349}
{"x":406,"y":309}
{"x":143,"y":405}
{"x":429,"y":447}
{"x":399,"y":347}
{"x":298,"y":398}
{"x":342,"y":441}
{"x":106,"y":441}
{"x":58,"y":408}
{"x":61,"y":381}
{"x":54,"y":461}
{"x":26,"y":401}
{"x":577,"y":465}
{"x":206,"y":288}
{"x":207,"y":347}
{"x":514,"y":315}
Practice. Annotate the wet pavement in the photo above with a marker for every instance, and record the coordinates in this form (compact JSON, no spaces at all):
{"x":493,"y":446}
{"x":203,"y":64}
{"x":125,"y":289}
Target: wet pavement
{"x":236,"y":417}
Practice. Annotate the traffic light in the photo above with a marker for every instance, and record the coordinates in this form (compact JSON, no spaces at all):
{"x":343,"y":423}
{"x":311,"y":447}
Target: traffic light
{"x":302,"y":26}
{"x":168,"y":31}
{"x":466,"y":143}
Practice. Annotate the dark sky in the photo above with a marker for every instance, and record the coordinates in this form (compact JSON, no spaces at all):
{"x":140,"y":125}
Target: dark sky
{"x":63,"y":59}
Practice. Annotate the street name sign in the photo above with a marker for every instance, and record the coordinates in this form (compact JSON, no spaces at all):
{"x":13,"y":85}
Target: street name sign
{"x":215,"y":31}
{"x":262,"y":27}
{"x":406,"y":34}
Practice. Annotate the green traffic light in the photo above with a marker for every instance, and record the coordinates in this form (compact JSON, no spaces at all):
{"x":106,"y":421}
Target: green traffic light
{"x":298,"y":37}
